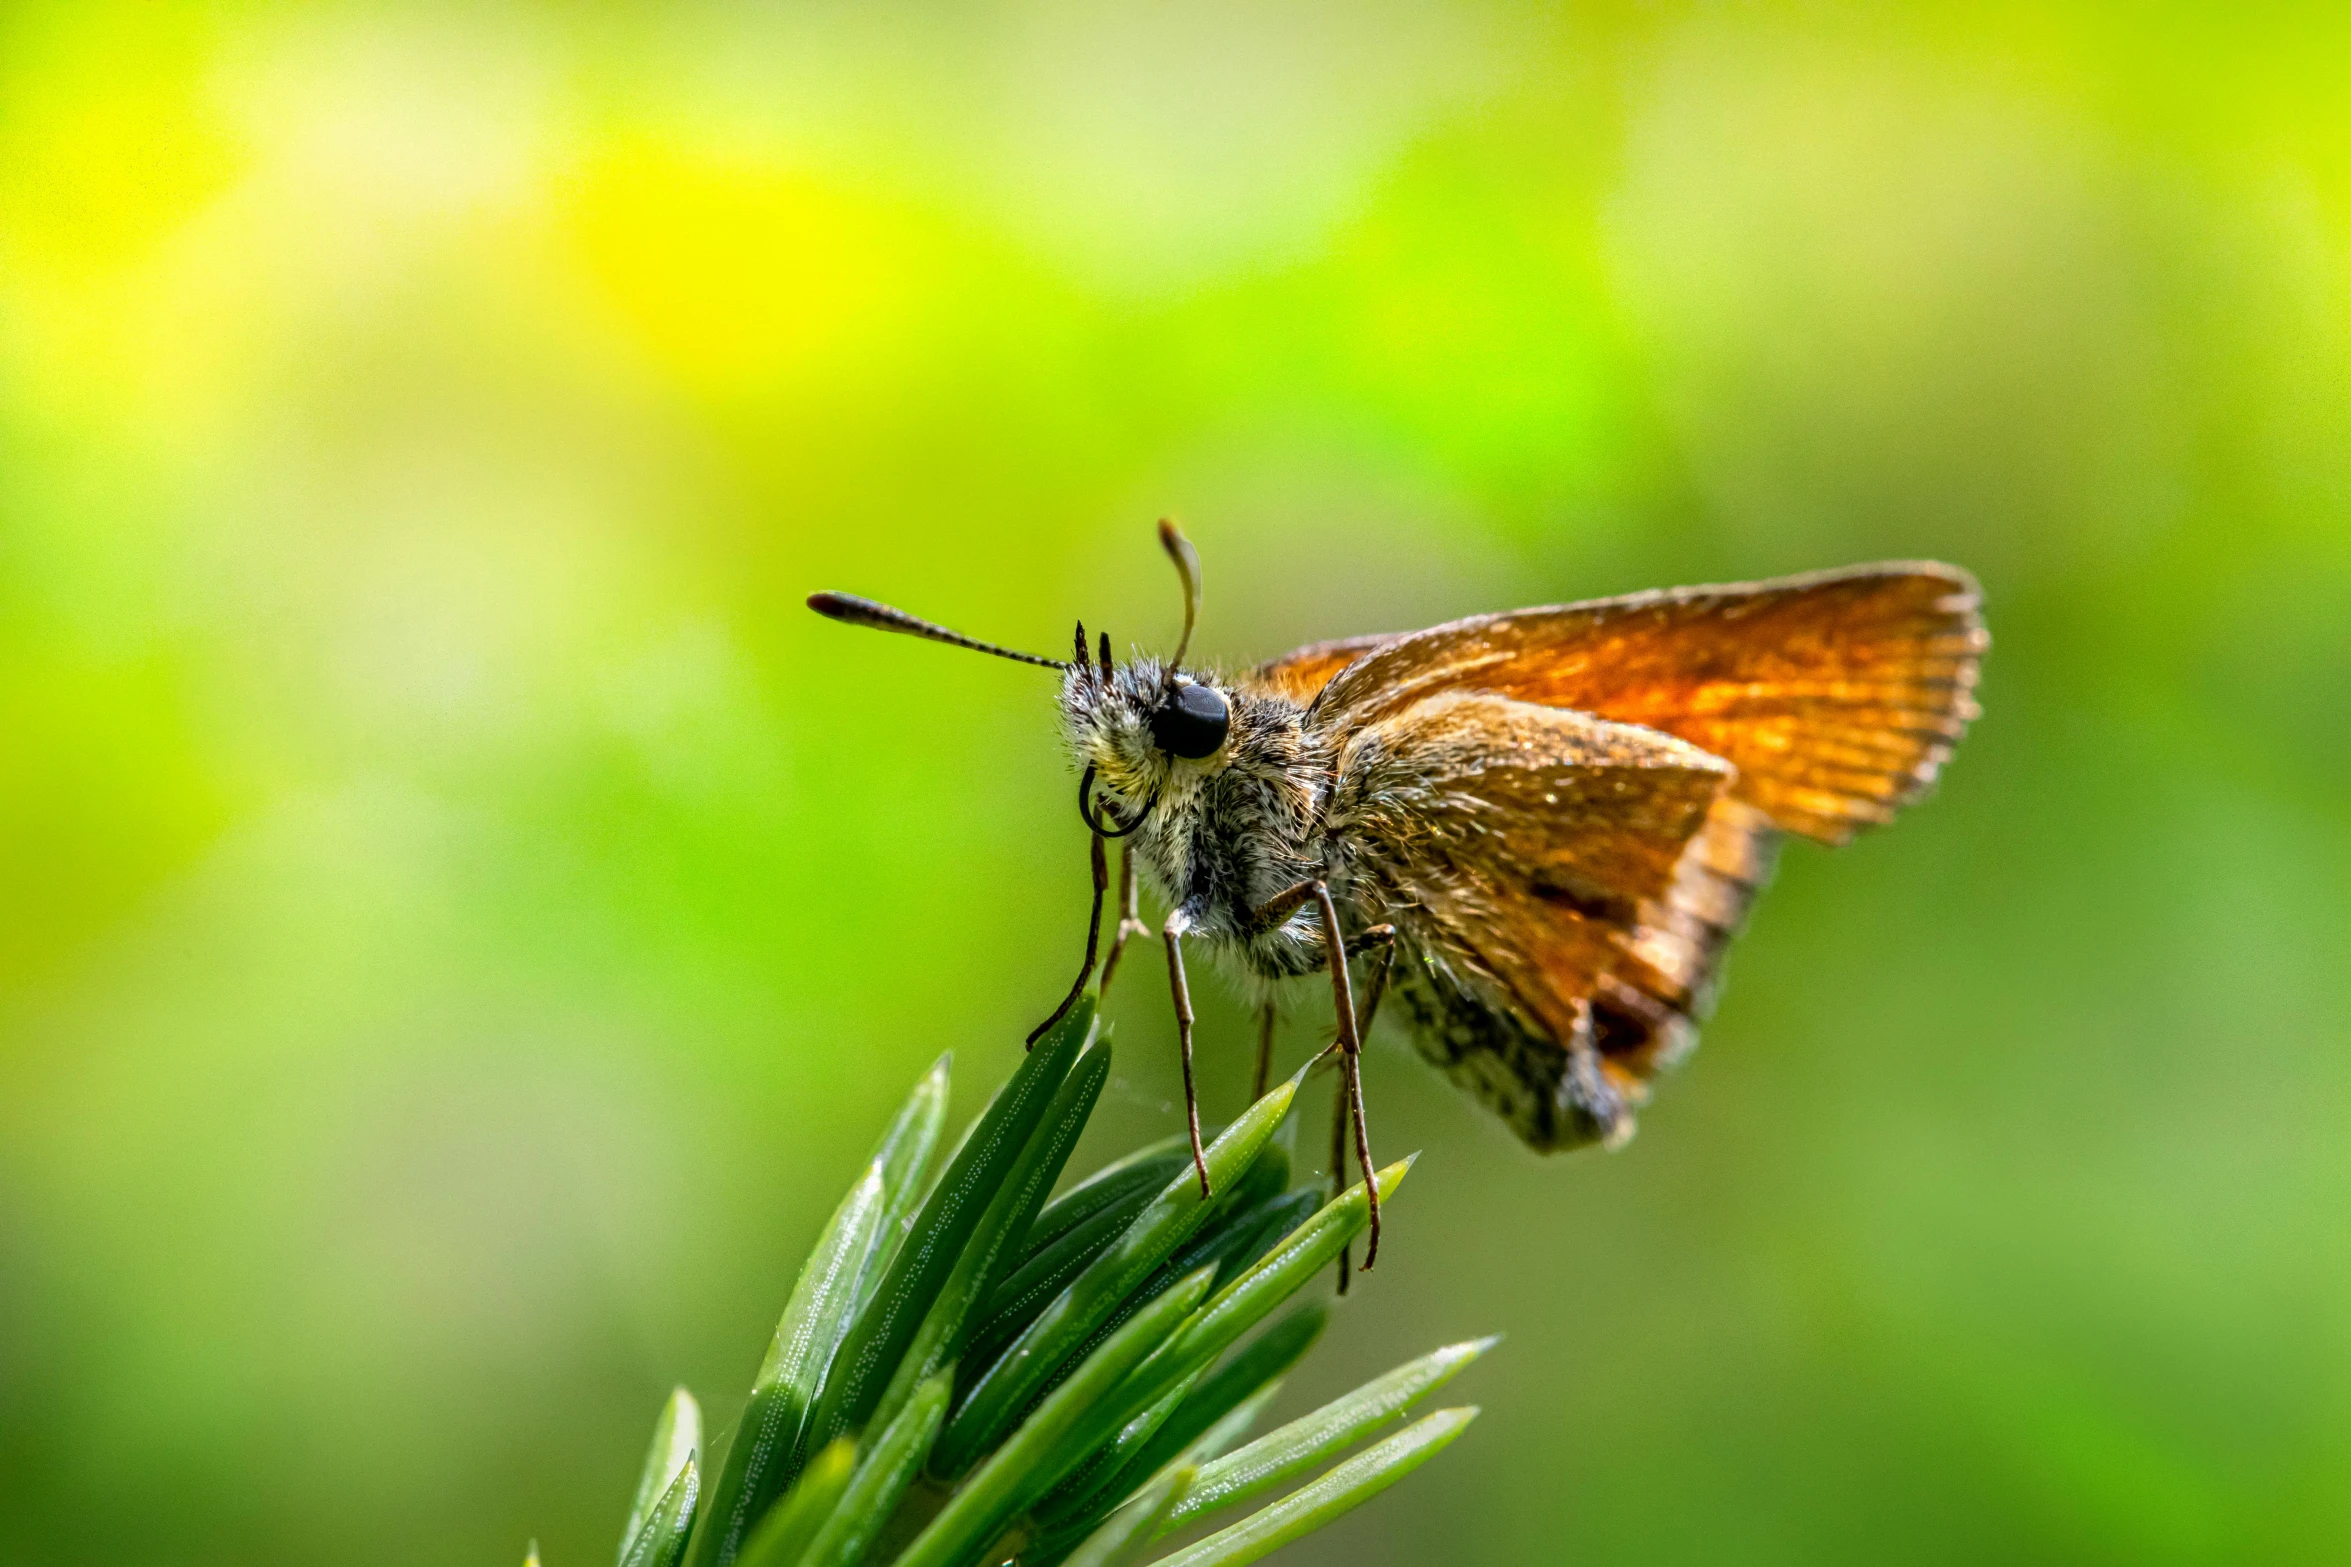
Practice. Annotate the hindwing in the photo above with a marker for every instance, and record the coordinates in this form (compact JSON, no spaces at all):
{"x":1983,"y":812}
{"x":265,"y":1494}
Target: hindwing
{"x":1551,"y":875}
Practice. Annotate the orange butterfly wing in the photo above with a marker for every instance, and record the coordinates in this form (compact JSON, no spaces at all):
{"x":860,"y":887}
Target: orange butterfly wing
{"x":1837,"y":695}
{"x":1529,"y":856}
{"x":1301,"y":673}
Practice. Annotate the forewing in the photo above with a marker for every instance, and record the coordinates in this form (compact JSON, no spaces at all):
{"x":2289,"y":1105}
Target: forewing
{"x":1836,"y":695}
{"x":1301,"y":673}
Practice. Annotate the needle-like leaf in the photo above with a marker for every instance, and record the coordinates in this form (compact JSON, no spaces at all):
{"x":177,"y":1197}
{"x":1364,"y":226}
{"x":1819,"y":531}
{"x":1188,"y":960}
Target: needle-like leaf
{"x":1081,"y":1498}
{"x":1241,"y":1305}
{"x":904,"y":1156}
{"x":1140,"y":1173}
{"x":1062,"y":1331}
{"x":1047,"y":1270}
{"x":987,"y":1254}
{"x":881,"y":1478}
{"x":1348,"y":1486}
{"x":1222,"y":1437}
{"x":1253,"y":1232}
{"x":1126,"y":1534}
{"x":1228,"y":1242}
{"x":875,"y":1345}
{"x":1204,"y":1406}
{"x":763,"y":1456}
{"x":1022,"y":1468}
{"x":1278,"y":1457}
{"x":677,"y":1435}
{"x":782,"y":1537}
{"x":661,"y":1540}
{"x":759,"y":1461}
{"x":1094,"y":1338}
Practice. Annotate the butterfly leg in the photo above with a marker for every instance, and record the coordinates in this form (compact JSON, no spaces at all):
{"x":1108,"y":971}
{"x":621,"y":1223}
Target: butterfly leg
{"x":1130,"y":917}
{"x":1177,"y":923}
{"x":1339,"y":1171}
{"x":1350,"y":1040}
{"x":1101,"y":864}
{"x":1380,"y":942}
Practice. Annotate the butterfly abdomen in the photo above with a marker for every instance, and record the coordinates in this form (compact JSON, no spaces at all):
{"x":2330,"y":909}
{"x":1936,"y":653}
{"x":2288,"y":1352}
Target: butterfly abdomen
{"x":1490,"y":1050}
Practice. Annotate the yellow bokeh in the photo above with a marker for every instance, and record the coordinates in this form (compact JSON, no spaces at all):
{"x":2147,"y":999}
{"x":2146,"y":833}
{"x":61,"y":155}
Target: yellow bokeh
{"x":744,"y":275}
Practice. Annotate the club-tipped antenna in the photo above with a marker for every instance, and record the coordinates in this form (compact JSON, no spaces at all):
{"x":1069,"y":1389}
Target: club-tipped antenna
{"x":849,"y":609}
{"x":1187,"y":564}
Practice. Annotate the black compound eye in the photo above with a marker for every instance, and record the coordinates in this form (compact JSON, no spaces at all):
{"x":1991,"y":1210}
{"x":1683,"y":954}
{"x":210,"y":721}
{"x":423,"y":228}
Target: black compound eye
{"x":1191,"y":722}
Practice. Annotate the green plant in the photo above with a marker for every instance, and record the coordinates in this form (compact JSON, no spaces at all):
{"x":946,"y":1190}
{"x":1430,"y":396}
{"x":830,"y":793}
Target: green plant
{"x":983,"y":1375}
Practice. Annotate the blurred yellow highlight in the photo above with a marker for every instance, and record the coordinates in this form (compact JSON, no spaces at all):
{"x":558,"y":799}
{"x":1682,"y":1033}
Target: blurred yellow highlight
{"x":750,"y":276}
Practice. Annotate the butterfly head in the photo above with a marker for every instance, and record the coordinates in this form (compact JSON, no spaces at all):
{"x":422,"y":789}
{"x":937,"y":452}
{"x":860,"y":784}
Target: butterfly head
{"x":1139,"y":729}
{"x":1135,"y":727}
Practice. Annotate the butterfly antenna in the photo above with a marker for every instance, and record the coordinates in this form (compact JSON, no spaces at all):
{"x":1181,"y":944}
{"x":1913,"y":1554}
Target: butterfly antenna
{"x":851,"y":610}
{"x":1187,"y":564}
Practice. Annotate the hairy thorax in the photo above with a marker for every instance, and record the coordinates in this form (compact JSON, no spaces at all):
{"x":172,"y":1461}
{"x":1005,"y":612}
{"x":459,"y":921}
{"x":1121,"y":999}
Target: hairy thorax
{"x":1223,"y":835}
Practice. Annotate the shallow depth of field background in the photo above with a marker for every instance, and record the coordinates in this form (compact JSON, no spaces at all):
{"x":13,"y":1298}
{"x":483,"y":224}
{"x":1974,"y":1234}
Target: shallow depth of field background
{"x":461,"y":920}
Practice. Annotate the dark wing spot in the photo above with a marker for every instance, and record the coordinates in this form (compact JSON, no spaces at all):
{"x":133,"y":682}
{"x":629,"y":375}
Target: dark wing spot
{"x":1592,"y":902}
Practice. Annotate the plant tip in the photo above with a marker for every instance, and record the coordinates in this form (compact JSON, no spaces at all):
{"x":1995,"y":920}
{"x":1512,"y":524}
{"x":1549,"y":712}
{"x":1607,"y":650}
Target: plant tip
{"x":875,"y":1328}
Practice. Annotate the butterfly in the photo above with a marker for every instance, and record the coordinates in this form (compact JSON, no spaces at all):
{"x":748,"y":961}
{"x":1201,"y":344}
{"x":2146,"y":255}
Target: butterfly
{"x":1539,"y":829}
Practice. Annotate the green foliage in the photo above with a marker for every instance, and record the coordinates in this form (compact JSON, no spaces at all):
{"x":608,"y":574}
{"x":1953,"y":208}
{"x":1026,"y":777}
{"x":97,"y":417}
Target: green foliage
{"x":1303,"y":1445}
{"x":1349,"y":1485}
{"x":664,"y":1509}
{"x":977,"y":1373}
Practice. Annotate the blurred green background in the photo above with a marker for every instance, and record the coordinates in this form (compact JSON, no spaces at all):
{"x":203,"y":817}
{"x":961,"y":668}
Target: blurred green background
{"x":463,"y":920}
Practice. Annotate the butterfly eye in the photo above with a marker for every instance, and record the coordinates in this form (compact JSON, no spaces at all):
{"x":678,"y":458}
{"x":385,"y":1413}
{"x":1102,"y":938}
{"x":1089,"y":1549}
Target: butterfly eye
{"x":1191,"y":721}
